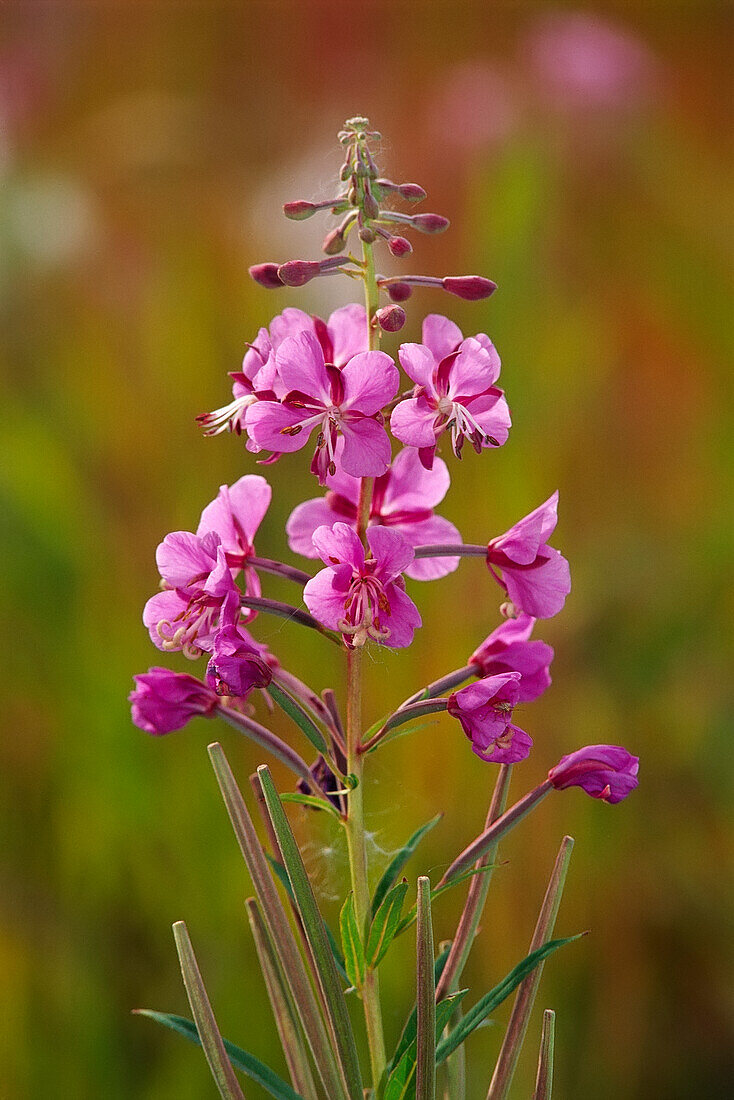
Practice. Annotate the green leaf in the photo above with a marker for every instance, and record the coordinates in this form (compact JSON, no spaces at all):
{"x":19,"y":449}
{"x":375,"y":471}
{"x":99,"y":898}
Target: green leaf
{"x":385,"y":923}
{"x":400,"y":1080}
{"x":311,"y":800}
{"x":315,"y":930}
{"x":409,"y":917}
{"x":409,"y":1030}
{"x":352,"y":944}
{"x":206,"y":1025}
{"x":282,"y":876}
{"x":476,"y":1015}
{"x":425,"y":1071}
{"x":248,"y":1063}
{"x":296,"y":712}
{"x":398,"y":861}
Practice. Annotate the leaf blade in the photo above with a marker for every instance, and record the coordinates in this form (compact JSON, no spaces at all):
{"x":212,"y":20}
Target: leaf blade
{"x":385,"y":924}
{"x":298,"y":715}
{"x":401,"y":857}
{"x":354,"y":960}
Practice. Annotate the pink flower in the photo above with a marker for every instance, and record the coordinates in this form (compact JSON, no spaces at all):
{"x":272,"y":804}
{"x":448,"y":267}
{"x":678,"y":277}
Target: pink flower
{"x":363,"y":598}
{"x":535,"y":576}
{"x":403,"y":499}
{"x":455,"y":391}
{"x":341,"y":337}
{"x":346,"y":402}
{"x":237,"y":664}
{"x":196,"y":579}
{"x":608,"y":772}
{"x":163,"y":701}
{"x":485,"y":712}
{"x":235,"y":515}
{"x":508,"y":649}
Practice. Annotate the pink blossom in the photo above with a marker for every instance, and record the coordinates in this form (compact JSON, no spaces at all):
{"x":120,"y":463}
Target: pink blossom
{"x":403,"y":499}
{"x":163,"y":701}
{"x":237,"y":664}
{"x":484,"y":709}
{"x":455,"y":391}
{"x":235,"y":516}
{"x":608,"y":772}
{"x":341,"y":337}
{"x":535,"y":576}
{"x":196,"y":579}
{"x":362,"y":597}
{"x":346,"y":402}
{"x":508,"y":649}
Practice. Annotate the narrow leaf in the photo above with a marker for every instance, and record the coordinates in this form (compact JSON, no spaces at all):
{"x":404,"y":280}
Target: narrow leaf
{"x":206,"y":1025}
{"x":282,"y":876}
{"x":310,"y":800}
{"x":400,"y":1079}
{"x":313,"y":924}
{"x":518,"y":1023}
{"x":398,"y":861}
{"x":409,"y":1030}
{"x":282,"y":1004}
{"x":296,"y":712}
{"x":279,"y":928}
{"x":255,"y":1069}
{"x":425,"y":1071}
{"x":352,"y":944}
{"x":490,"y":1001}
{"x":544,"y":1079}
{"x":385,"y":924}
{"x":410,"y":916}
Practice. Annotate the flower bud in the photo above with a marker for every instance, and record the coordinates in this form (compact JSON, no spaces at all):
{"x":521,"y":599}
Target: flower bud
{"x":469,"y":287}
{"x":298,"y":272}
{"x":367,"y":234}
{"x":370,"y":205}
{"x":412,"y":192}
{"x":399,"y":292}
{"x":333,"y":242}
{"x":430,"y":223}
{"x":399,"y":246}
{"x":391,"y":318}
{"x":607,"y":772}
{"x":266,"y":275}
{"x":299,"y":211}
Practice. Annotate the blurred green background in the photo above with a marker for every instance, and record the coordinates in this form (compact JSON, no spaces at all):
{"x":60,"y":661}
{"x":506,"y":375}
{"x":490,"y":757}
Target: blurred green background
{"x":579,"y":152}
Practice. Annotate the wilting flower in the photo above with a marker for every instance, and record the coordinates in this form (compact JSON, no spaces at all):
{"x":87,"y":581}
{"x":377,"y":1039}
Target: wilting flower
{"x":196,"y":579}
{"x":235,"y":515}
{"x":341,"y":337}
{"x":362,"y":597}
{"x":237,"y":664}
{"x":608,"y":772}
{"x":456,"y":392}
{"x":484,"y":709}
{"x":403,"y":499}
{"x":320,"y":395}
{"x":535,"y":576}
{"x":508,"y":649}
{"x":163,"y":701}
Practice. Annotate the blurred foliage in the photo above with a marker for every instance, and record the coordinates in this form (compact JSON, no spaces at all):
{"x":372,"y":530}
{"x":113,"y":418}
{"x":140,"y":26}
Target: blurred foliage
{"x":144,"y":155}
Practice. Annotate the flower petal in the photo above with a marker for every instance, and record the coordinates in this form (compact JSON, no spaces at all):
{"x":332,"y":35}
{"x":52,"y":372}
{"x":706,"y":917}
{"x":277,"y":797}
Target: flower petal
{"x":266,"y":423}
{"x":324,"y":597}
{"x":429,"y":531}
{"x":393,"y":553}
{"x":237,"y":512}
{"x":367,"y":450}
{"x":371,"y":380}
{"x":411,"y":487}
{"x":542,"y":589}
{"x":338,"y":544}
{"x":402,"y":619}
{"x":440,"y":335}
{"x":472,"y":372}
{"x":419,"y":364}
{"x":523,"y":540}
{"x":412,"y":422}
{"x":516,"y":745}
{"x":347,"y":328}
{"x":300,"y":363}
{"x":303,"y":521}
{"x":182,"y":556}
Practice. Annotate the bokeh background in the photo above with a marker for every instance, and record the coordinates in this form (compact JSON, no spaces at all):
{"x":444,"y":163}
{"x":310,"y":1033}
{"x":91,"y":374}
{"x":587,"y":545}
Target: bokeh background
{"x":581,"y":154}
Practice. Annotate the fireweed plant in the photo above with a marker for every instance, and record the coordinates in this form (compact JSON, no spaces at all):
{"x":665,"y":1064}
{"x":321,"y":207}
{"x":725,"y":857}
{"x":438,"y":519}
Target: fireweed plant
{"x":326,"y":388}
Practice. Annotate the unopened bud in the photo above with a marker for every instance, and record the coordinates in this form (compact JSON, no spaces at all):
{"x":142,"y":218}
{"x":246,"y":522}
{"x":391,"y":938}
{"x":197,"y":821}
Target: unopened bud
{"x":399,"y":246}
{"x":391,"y":318}
{"x":370,"y":206}
{"x":333,"y":242}
{"x":367,"y":235}
{"x":266,"y":275}
{"x":399,"y":292}
{"x":298,"y":272}
{"x":469,"y":287}
{"x":299,"y":211}
{"x":413,"y":192}
{"x":430,"y":223}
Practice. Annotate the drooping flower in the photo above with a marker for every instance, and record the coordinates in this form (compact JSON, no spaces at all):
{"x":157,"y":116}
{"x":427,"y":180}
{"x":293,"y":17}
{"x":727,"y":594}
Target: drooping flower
{"x":535,"y":576}
{"x":484,"y":709}
{"x":320,"y":395}
{"x":608,"y":772}
{"x":341,"y":337}
{"x":237,"y":663}
{"x":455,"y":391}
{"x":163,"y":701}
{"x":508,"y":649}
{"x":196,"y":580}
{"x":235,"y":515}
{"x":403,"y":499}
{"x":362,"y":597}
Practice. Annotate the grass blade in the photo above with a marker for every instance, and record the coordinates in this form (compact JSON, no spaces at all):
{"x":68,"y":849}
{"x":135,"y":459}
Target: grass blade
{"x":279,"y":928}
{"x":396,"y":864}
{"x":544,"y":1079}
{"x":282,"y":1004}
{"x":490,"y":1001}
{"x":425,"y":1070}
{"x":385,"y":924}
{"x":255,"y":1069}
{"x":313,"y":924}
{"x":523,"y":1006}
{"x":206,"y":1025}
